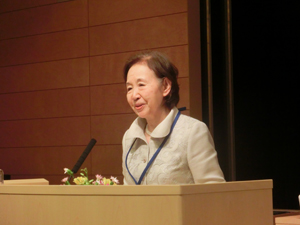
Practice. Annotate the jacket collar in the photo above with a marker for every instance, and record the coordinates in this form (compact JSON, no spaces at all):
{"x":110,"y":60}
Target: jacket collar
{"x":137,"y":128}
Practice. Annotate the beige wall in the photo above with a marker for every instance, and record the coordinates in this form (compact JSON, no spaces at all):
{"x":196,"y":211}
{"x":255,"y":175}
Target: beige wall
{"x":61,"y":78}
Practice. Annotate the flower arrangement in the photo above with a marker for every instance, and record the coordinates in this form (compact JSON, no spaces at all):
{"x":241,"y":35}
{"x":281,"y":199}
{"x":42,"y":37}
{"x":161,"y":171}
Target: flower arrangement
{"x":83,"y":179}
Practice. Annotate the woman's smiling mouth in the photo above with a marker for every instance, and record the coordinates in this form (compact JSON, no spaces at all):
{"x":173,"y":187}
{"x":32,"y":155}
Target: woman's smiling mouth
{"x":138,"y":107}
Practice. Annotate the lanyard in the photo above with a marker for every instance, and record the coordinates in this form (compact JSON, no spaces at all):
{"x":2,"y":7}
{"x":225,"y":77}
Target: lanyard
{"x":155,"y":154}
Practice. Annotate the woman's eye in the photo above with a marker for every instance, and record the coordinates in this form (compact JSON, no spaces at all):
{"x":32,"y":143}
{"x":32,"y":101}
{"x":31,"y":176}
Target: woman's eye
{"x":129,"y":89}
{"x":141,"y":85}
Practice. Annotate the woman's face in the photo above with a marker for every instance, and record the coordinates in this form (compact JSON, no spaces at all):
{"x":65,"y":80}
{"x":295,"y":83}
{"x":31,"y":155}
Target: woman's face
{"x":145,"y":92}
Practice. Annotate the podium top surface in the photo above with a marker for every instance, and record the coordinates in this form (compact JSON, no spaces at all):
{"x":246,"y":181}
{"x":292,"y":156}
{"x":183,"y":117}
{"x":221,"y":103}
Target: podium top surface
{"x":136,"y":190}
{"x":36,"y":181}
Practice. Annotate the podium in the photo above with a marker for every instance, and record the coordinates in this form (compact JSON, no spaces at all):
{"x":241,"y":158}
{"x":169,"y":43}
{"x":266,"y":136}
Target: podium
{"x":234,"y":203}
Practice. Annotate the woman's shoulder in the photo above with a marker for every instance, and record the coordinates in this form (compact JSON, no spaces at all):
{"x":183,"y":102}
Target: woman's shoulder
{"x":191,"y":122}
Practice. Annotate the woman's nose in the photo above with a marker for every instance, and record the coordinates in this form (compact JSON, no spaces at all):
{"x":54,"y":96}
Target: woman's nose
{"x":135,"y":94}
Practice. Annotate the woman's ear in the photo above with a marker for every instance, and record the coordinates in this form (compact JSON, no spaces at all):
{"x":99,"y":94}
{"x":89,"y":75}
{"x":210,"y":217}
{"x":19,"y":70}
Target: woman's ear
{"x":167,"y":85}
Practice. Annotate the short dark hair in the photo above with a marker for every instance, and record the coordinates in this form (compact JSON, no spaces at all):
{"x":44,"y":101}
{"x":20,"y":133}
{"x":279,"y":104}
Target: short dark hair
{"x":162,"y":67}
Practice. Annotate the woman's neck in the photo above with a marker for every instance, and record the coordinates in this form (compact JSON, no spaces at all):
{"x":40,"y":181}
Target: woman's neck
{"x":157,"y":119}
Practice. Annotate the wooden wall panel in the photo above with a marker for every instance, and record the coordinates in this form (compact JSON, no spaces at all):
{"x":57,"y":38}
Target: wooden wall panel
{"x":103,"y":12}
{"x":43,"y":76}
{"x":109,"y":129}
{"x":195,"y":59}
{"x":45,"y":132}
{"x":108,"y":69}
{"x":47,"y":47}
{"x":109,"y":99}
{"x":42,"y":160}
{"x":45,"y":19}
{"x":106,"y":160}
{"x":11,"y":5}
{"x":45,"y":104}
{"x":139,"y":34}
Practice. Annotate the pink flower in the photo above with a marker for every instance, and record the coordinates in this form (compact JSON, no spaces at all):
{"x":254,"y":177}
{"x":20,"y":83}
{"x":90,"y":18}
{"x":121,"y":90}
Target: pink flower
{"x":114,"y":179}
{"x":65,"y":179}
{"x":99,"y":177}
{"x":97,"y":181}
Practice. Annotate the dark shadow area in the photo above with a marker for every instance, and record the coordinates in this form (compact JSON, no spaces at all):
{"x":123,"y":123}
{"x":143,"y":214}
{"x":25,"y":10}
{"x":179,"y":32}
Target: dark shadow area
{"x":266,"y":66}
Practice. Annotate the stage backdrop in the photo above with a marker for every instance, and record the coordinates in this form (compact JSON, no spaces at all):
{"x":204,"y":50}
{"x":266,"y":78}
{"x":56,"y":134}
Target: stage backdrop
{"x":61,"y":78}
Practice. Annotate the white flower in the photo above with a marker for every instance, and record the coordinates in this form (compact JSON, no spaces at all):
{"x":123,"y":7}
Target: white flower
{"x":114,"y":179}
{"x":66,"y":170}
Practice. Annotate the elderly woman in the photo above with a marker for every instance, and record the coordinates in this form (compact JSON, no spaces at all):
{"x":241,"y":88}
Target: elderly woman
{"x":162,"y":146}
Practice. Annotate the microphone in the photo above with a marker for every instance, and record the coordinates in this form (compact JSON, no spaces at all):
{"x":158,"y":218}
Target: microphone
{"x":84,"y":155}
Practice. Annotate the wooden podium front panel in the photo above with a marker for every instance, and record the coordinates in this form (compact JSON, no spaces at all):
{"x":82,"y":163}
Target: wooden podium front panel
{"x":253,"y":207}
{"x":68,"y":209}
{"x":245,"y":203}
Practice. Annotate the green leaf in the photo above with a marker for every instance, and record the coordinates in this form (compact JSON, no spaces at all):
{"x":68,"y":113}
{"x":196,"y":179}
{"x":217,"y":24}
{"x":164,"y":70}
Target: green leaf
{"x":70,"y":172}
{"x":85,"y":170}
